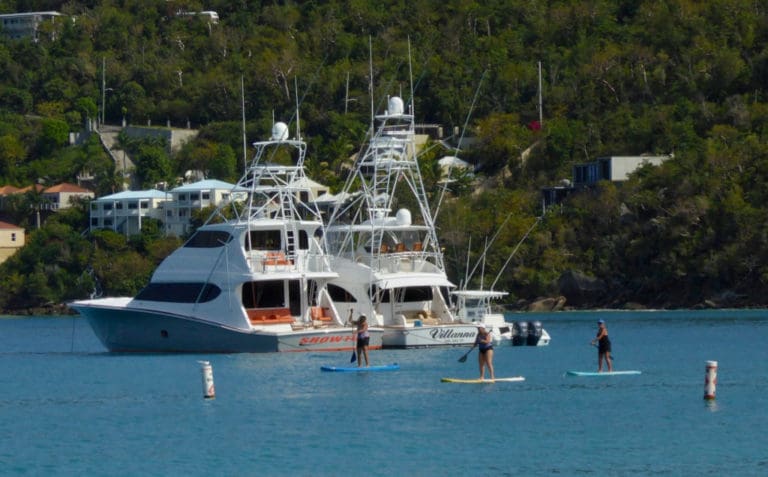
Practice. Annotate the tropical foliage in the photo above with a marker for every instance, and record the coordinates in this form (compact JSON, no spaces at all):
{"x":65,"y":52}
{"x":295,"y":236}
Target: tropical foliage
{"x":618,"y":78}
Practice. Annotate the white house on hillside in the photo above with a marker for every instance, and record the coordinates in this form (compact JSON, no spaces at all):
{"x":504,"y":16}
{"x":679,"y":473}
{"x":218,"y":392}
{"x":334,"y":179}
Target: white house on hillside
{"x":21,"y":25}
{"x":613,"y":168}
{"x":123,"y":212}
{"x":196,"y":196}
{"x":308,"y":190}
{"x":62,"y":195}
{"x":608,"y":168}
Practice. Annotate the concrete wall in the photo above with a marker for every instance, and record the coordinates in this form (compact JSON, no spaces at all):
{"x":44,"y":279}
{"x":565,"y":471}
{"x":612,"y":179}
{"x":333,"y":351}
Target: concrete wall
{"x":175,"y":137}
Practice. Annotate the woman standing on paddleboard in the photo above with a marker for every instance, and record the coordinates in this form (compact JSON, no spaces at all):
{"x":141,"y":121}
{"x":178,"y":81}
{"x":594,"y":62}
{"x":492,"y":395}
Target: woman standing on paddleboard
{"x":484,"y":342}
{"x":363,"y":338}
{"x":603,"y":347}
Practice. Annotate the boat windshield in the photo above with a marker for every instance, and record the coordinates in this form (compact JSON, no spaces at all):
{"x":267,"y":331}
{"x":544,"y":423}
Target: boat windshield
{"x":209,"y":239}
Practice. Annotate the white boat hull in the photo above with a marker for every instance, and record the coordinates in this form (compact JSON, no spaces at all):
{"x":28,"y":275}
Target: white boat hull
{"x":429,"y":336}
{"x":136,"y":330}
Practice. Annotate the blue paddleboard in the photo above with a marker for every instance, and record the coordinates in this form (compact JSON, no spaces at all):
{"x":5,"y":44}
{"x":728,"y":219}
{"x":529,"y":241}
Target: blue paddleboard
{"x":363,"y":369}
{"x":604,"y":373}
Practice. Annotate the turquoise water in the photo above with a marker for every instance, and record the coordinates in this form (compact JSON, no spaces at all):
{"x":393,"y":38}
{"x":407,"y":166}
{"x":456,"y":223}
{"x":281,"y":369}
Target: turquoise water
{"x":69,"y":408}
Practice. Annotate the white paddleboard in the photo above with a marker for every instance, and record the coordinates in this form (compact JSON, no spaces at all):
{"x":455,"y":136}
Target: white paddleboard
{"x":515,"y":379}
{"x":361,"y":369}
{"x":604,"y":373}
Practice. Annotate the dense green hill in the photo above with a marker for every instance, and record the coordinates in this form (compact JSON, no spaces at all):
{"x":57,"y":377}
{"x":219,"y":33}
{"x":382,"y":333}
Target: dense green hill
{"x":618,"y":78}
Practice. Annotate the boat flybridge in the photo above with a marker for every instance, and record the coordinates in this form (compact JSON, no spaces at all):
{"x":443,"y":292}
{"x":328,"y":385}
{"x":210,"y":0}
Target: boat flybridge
{"x":252,"y":279}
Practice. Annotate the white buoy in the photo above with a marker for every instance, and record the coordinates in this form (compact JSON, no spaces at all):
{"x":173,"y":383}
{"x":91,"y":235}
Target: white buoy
{"x":710,"y":380}
{"x":209,"y":392}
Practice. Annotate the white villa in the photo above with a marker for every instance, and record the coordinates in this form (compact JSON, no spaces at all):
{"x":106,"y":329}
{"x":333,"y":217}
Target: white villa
{"x":62,"y":195}
{"x":196,"y":196}
{"x":309,"y":190}
{"x":21,"y":25}
{"x":124,"y":211}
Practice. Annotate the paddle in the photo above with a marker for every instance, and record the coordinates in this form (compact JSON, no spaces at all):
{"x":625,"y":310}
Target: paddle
{"x":354,"y":355}
{"x":464,"y":358}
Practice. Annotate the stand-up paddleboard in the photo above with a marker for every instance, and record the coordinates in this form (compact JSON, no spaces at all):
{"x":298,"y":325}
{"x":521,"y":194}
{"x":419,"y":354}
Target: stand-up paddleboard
{"x":363,"y":369}
{"x":604,"y":373}
{"x":515,"y":379}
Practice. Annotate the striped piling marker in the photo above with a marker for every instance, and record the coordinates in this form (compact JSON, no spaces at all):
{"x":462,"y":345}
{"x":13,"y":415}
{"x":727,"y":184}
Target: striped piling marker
{"x":209,"y":392}
{"x":710,"y":380}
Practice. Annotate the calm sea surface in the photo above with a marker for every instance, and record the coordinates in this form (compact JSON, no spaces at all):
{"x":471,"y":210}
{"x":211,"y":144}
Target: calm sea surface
{"x":69,"y":408}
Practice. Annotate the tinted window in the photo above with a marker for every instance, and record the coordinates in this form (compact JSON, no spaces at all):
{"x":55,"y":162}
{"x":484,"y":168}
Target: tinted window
{"x":179,"y":292}
{"x":263,"y":240}
{"x":268,"y":294}
{"x":340,"y":295}
{"x":208,"y":239}
{"x":418,"y":294}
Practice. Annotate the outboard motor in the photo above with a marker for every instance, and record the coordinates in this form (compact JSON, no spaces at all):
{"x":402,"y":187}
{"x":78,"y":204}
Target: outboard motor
{"x":521,"y":333}
{"x":534,"y":332}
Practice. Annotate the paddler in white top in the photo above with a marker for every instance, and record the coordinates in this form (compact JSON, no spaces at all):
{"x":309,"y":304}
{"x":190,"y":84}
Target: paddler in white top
{"x":363,"y":338}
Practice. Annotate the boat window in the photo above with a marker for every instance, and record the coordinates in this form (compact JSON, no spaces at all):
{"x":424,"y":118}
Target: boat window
{"x":303,"y":240}
{"x":418,"y":294}
{"x":263,"y":240}
{"x":447,"y":297}
{"x":266,"y":294}
{"x":209,"y":239}
{"x":179,"y":292}
{"x":340,"y":295}
{"x":294,"y":296}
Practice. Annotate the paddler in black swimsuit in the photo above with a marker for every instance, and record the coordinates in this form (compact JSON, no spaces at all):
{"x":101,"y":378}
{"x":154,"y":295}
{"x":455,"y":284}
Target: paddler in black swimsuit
{"x":603,"y":347}
{"x":484,"y":341}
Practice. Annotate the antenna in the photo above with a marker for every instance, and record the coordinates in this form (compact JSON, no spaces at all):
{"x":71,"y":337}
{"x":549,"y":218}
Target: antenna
{"x":466,"y":269}
{"x":482,"y":270}
{"x":488,"y":245}
{"x":242,"y":107}
{"x":370,"y":83}
{"x":410,"y":77}
{"x":458,"y":146}
{"x":296,"y":88}
{"x":538,"y":219}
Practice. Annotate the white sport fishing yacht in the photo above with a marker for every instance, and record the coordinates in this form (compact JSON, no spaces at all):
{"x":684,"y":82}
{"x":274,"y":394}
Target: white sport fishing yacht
{"x":382,"y":242}
{"x":252,"y":279}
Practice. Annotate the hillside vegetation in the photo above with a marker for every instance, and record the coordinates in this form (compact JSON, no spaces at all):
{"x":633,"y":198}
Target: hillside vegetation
{"x":618,"y":78}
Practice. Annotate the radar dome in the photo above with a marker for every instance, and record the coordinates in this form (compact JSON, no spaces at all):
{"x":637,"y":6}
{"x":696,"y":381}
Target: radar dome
{"x":279,"y":131}
{"x":403,"y":217}
{"x":395,"y":106}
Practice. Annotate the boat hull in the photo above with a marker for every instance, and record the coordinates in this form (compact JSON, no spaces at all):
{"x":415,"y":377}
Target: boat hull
{"x":436,"y":336}
{"x":137,"y":330}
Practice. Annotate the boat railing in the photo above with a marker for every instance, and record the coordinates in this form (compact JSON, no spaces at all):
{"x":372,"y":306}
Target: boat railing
{"x":404,"y":261}
{"x":278,"y":261}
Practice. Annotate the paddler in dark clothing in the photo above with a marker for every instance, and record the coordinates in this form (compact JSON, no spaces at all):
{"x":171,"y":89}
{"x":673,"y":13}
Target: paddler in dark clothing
{"x":603,"y":347}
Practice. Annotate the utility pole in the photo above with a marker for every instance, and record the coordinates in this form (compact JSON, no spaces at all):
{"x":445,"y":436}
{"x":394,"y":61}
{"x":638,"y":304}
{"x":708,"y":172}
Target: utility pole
{"x":541,"y":112}
{"x":103,"y":88}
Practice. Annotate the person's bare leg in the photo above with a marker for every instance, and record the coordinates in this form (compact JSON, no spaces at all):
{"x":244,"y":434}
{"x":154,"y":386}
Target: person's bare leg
{"x":609,"y":361}
{"x":489,"y":362}
{"x":481,"y":362}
